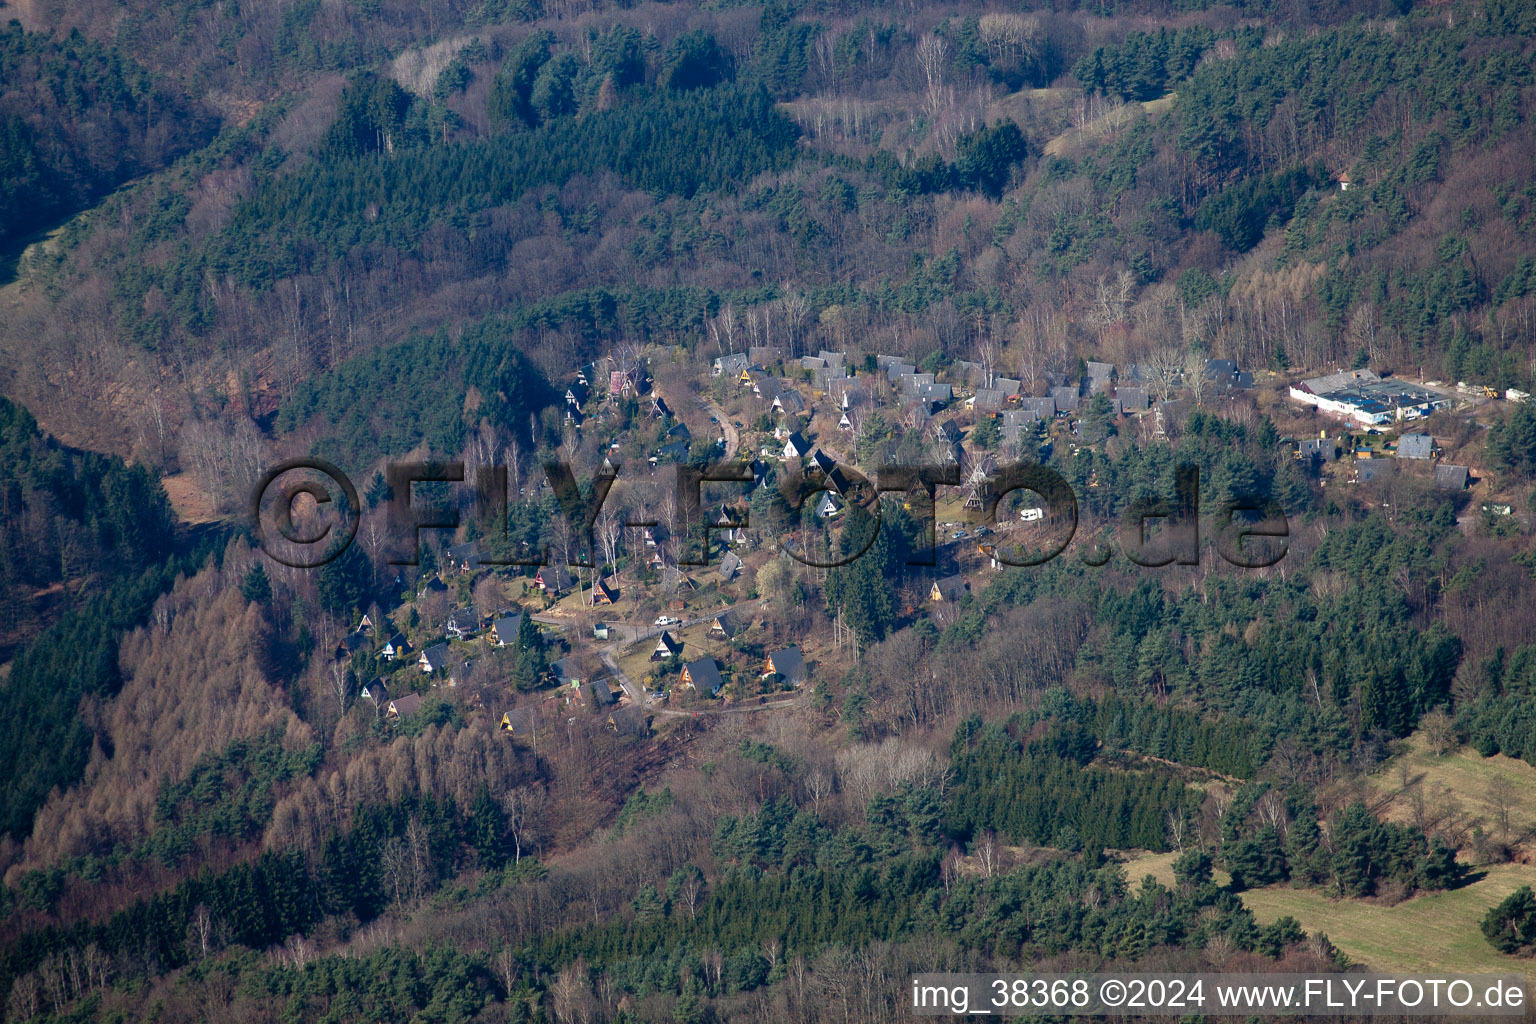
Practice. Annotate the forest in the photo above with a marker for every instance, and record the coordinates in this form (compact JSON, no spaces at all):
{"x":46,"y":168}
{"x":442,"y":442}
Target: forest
{"x":798,"y":242}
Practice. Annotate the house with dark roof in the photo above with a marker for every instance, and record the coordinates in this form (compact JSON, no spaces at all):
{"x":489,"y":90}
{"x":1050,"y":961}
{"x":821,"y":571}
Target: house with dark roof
{"x":395,"y":647}
{"x":597,"y":694}
{"x":1101,"y":377}
{"x":797,"y":447}
{"x":552,"y":579}
{"x":434,"y":659}
{"x":351,"y":643}
{"x":1374,"y":470}
{"x":504,"y":630}
{"x":376,"y":690}
{"x":464,"y":558}
{"x":988,"y":400}
{"x":566,"y":671}
{"x":727,"y":624}
{"x":1452,"y":478}
{"x":950,"y":588}
{"x":667,"y":646}
{"x":1133,"y":400}
{"x":731,"y":365}
{"x":788,"y":665}
{"x":462,"y":623}
{"x":730,"y":565}
{"x":1415,"y":446}
{"x":604,"y":593}
{"x":629,"y":721}
{"x":522,"y":721}
{"x":1045,"y":407}
{"x":788,"y":401}
{"x":1066,"y":398}
{"x":703,"y":675}
{"x":1317,"y":450}
{"x":403,"y":707}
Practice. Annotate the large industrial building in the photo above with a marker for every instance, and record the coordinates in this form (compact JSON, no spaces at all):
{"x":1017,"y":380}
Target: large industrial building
{"x":1363,"y":397}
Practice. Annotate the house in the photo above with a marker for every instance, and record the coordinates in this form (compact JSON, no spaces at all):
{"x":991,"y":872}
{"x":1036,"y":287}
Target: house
{"x":376,"y":691}
{"x":433,"y":585}
{"x":434,"y":659}
{"x":1101,"y":377}
{"x":730,"y":565}
{"x":403,"y":707}
{"x":659,"y":410}
{"x":626,"y":382}
{"x":464,"y":558}
{"x":797,"y":446}
{"x":1044,"y":408}
{"x":462,"y":623}
{"x":673,"y":578}
{"x":950,"y":588}
{"x":788,"y":665}
{"x":597,"y":694}
{"x":1317,"y":450}
{"x":396,"y":646}
{"x":1008,"y":386}
{"x":667,"y":647}
{"x":600,"y":631}
{"x":1373,"y":470}
{"x":731,"y":366}
{"x":576,"y":395}
{"x":552,"y":579}
{"x":1133,"y":400}
{"x":521,"y":721}
{"x":727,"y":624}
{"x":1015,"y":422}
{"x":365,"y":625}
{"x":703,"y":675}
{"x":629,"y":721}
{"x":566,"y":672}
{"x":788,"y":401}
{"x":1344,"y":180}
{"x":675,"y":453}
{"x":505,"y":630}
{"x":604,"y":593}
{"x":1415,"y":446}
{"x":765,"y":387}
{"x":988,"y":400}
{"x":351,"y":643}
{"x":1451,"y":478}
{"x":828,"y":506}
{"x":822,"y":461}
{"x":1066,"y":398}
{"x":727,"y":525}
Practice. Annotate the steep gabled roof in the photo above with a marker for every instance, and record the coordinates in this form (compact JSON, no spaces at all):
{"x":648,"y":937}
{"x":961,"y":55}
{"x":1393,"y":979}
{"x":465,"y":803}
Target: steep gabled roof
{"x":704,"y":674}
{"x":790,"y":664}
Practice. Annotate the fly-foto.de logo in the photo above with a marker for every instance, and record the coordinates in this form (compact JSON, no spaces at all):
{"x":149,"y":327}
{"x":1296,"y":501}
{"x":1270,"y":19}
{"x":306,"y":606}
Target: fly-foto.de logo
{"x":1249,"y":531}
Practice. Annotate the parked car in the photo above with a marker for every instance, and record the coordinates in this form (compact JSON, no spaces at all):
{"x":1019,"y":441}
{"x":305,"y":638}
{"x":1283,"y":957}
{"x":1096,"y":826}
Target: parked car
{"x":667,"y":620}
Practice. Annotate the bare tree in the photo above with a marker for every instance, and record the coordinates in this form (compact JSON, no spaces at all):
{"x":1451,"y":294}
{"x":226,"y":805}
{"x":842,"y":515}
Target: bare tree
{"x":1163,"y":369}
{"x":1178,"y":828}
{"x":987,"y":853}
{"x":1194,"y":376}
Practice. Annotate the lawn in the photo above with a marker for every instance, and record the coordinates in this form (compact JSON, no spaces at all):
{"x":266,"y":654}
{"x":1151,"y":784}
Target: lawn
{"x":1464,"y":774}
{"x":1434,"y":932}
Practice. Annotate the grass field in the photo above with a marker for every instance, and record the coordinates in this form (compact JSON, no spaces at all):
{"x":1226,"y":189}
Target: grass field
{"x":1437,"y":931}
{"x":1464,"y":774}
